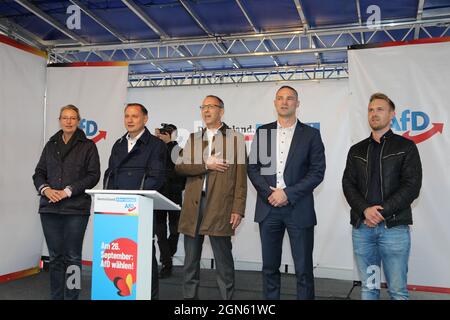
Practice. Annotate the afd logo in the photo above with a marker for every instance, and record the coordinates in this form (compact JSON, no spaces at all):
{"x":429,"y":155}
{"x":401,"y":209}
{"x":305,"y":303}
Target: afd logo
{"x":91,"y":129}
{"x":417,"y":122}
{"x":130,"y":207}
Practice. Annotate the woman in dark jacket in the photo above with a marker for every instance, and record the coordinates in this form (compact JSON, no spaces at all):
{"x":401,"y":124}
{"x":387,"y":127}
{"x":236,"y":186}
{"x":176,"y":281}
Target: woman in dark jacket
{"x":69,"y":165}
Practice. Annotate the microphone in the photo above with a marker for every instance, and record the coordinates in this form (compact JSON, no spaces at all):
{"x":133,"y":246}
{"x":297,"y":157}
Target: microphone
{"x":151,"y":172}
{"x":105,"y":185}
{"x":143,"y":181}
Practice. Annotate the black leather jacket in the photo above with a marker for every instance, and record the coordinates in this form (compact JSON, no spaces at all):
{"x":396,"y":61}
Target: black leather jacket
{"x":401,"y":179}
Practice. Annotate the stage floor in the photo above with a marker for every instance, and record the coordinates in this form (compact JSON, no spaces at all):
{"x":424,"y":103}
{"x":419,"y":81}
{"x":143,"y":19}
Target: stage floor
{"x":248,"y":287}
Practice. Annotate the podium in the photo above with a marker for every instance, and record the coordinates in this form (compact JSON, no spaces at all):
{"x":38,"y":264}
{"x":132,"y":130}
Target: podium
{"x":123,"y":238}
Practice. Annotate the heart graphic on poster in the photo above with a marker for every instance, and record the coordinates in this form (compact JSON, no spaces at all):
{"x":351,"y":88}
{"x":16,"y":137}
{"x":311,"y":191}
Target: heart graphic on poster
{"x":125,"y":287}
{"x":119,"y":264}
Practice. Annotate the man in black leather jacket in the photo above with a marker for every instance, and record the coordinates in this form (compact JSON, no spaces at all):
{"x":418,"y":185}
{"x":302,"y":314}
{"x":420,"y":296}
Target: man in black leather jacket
{"x":382,"y":177}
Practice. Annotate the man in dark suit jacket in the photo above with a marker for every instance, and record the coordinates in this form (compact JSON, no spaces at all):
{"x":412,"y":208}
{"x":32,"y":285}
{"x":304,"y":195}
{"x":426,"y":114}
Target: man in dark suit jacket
{"x":138,"y":162}
{"x":286,"y":163}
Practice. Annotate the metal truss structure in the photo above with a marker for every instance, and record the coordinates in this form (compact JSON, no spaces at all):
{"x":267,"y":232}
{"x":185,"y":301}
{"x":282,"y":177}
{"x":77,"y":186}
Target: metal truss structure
{"x":327,"y":47}
{"x":277,"y":74}
{"x":297,"y":43}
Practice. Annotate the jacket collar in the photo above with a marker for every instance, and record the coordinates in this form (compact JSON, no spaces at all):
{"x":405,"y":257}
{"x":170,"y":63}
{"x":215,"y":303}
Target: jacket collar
{"x":274,"y":125}
{"x":172,"y":143}
{"x":145,"y":138}
{"x":78,"y":135}
{"x":295,"y":141}
{"x":385,"y":136}
{"x":222,"y":129}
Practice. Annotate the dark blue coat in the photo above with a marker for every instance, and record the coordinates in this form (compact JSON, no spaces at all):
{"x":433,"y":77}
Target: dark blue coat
{"x":143,"y":168}
{"x":79,"y":168}
{"x":304,"y":171}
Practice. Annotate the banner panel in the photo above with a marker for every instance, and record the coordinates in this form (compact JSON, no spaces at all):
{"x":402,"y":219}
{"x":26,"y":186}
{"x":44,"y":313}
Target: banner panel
{"x":416,"y":78}
{"x":22,"y":91}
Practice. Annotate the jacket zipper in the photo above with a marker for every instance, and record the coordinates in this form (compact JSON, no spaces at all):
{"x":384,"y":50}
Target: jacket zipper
{"x":393,"y":154}
{"x":360,"y":158}
{"x":381,"y":174}
{"x":367,"y":172}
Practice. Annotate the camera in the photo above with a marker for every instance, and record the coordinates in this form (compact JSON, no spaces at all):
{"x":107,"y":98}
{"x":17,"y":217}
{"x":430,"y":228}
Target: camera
{"x":167,"y":128}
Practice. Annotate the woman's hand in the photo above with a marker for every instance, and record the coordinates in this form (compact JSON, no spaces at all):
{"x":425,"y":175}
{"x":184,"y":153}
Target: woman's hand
{"x":55,"y":195}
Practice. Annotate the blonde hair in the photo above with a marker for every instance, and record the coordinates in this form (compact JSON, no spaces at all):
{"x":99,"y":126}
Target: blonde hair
{"x":382,"y":96}
{"x":70,"y":107}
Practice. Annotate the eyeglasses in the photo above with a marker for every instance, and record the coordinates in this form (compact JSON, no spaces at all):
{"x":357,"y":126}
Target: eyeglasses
{"x":68,"y":118}
{"x":209,"y":106}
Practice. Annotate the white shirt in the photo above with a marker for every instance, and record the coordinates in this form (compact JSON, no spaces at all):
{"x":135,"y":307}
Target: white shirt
{"x":132,"y":141}
{"x":210,"y":133}
{"x":284,"y":139}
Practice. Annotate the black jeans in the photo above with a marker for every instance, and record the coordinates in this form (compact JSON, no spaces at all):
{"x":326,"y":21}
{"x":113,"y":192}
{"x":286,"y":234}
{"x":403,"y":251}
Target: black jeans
{"x":155,"y":280}
{"x":64,"y":235}
{"x":167,"y":245}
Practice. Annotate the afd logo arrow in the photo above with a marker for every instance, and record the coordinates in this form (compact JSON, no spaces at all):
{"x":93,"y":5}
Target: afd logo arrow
{"x":437,"y":127}
{"x":101,"y":135}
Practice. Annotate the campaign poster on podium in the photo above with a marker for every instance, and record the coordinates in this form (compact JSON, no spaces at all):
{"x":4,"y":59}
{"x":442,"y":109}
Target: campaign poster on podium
{"x":114,"y":267}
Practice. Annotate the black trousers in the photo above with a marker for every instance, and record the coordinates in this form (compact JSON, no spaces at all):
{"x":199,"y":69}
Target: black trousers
{"x":167,"y":244}
{"x":155,"y":280}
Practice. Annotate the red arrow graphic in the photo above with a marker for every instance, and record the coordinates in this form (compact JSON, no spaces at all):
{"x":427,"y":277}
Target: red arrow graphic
{"x":101,"y":135}
{"x":437,"y":127}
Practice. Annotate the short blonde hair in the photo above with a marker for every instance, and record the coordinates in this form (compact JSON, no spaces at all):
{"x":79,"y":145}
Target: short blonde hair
{"x":382,"y":96}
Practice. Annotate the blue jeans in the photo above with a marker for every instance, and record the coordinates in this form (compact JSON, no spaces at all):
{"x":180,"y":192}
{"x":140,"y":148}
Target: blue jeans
{"x":64,"y":236}
{"x":390,"y":246}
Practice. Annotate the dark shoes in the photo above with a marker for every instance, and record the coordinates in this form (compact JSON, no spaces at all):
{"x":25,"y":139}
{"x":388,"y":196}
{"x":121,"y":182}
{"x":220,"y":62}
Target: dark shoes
{"x":165,"y":272}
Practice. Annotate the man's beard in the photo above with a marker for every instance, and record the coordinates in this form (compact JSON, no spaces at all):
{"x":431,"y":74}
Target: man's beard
{"x":378,"y":125}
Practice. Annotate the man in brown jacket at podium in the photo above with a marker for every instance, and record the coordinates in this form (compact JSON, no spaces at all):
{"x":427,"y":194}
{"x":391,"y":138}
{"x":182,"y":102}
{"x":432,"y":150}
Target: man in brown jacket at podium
{"x":214,"y":162}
